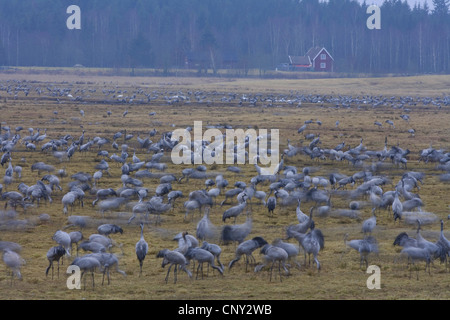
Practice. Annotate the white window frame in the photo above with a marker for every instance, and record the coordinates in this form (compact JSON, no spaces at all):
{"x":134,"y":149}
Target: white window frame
{"x":323,"y":65}
{"x":323,"y":56}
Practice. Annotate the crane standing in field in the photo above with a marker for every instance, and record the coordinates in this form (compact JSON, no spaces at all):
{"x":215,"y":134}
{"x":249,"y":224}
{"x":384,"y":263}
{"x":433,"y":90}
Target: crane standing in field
{"x":235,"y":211}
{"x":176,"y":259}
{"x":369,"y":224}
{"x":13,"y":261}
{"x":205,"y":228}
{"x":246,"y":248}
{"x":141,"y":249}
{"x":274,"y":254}
{"x":271,"y":204}
{"x":54,"y":254}
{"x":63,"y":239}
{"x":87,"y":264}
{"x":312,"y":242}
{"x":363,"y":246}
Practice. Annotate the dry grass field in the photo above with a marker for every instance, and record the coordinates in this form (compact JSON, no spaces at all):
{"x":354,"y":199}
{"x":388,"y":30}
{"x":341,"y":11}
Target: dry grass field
{"x":340,"y":276}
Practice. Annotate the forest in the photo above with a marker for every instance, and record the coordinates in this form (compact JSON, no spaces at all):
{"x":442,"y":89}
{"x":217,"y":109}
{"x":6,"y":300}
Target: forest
{"x":231,"y":34}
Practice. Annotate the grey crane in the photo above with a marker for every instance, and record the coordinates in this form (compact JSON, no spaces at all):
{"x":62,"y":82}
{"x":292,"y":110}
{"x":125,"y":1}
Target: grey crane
{"x":141,"y":249}
{"x":14,"y":262}
{"x":405,"y":241}
{"x":301,"y":227}
{"x":9,"y":245}
{"x":415,"y":203}
{"x":75,"y":237}
{"x":324,"y":210}
{"x":231,"y":233}
{"x":302,"y":128}
{"x":156,"y":206}
{"x":54,"y":254}
{"x":163,"y":189}
{"x":53,"y":181}
{"x":291,"y":249}
{"x":68,"y":200}
{"x":301,"y":216}
{"x":231,"y":194}
{"x":221,"y":182}
{"x":215,"y":249}
{"x":141,"y":208}
{"x":191,"y":205}
{"x":379,"y":124}
{"x":271,"y":204}
{"x":444,"y":245}
{"x":205,"y":228}
{"x":97,"y":176}
{"x":13,"y":198}
{"x":108,"y":228}
{"x":110,"y":204}
{"x":105,"y":241}
{"x":63,"y":239}
{"x":78,"y":221}
{"x":173,"y":258}
{"x":87,"y":264}
{"x":274,"y":254}
{"x":107,"y":261}
{"x":202,"y":256}
{"x":202,"y":197}
{"x":370,"y":223}
{"x":93,"y":246}
{"x":214,"y":193}
{"x":397,"y":206}
{"x":364,"y":246}
{"x":415,"y":254}
{"x":261,"y":195}
{"x":423,"y":243}
{"x":103,"y":194}
{"x":234,"y":212}
{"x":5,"y":158}
{"x":390,"y":122}
{"x":311,"y":242}
{"x":185,"y":241}
{"x":247,"y":248}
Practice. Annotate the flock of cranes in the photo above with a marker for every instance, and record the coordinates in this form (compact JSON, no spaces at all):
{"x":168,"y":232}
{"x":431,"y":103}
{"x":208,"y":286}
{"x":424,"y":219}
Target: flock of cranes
{"x":147,"y":191}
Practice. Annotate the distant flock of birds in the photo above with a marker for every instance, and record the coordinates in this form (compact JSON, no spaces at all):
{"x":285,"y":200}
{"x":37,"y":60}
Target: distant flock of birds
{"x":288,"y":187}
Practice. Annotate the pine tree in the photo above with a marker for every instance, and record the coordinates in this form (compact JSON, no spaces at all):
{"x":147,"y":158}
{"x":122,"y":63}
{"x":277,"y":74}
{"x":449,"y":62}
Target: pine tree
{"x":441,"y":7}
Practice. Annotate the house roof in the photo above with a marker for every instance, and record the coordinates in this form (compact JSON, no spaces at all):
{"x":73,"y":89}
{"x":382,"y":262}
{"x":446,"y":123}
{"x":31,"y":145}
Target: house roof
{"x":300,"y":60}
{"x":315,"y":51}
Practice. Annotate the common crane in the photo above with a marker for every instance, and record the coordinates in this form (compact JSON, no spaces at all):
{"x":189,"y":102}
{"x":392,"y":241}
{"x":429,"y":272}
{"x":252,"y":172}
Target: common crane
{"x":87,"y":264}
{"x":141,"y":249}
{"x":215,"y":250}
{"x":246,"y":248}
{"x":54,"y":254}
{"x":369,"y":224}
{"x":202,"y":256}
{"x":14,"y":262}
{"x":274,"y":254}
{"x":176,"y":259}
{"x":234,"y":212}
{"x":205,"y":228}
{"x":364,"y":246}
{"x":238,"y":233}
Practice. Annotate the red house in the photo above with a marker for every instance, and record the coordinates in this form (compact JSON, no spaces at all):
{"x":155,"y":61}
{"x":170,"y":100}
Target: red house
{"x":316,"y":59}
{"x":321,"y":59}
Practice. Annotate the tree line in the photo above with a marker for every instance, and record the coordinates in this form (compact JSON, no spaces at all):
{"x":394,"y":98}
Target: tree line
{"x":241,"y":34}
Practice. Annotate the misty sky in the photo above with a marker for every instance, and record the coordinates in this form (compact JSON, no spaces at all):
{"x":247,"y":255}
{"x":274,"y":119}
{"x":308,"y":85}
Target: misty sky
{"x":411,"y":2}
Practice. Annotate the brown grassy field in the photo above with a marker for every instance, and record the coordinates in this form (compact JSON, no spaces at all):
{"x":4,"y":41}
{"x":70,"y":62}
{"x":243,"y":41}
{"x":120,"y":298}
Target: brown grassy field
{"x":340,"y":276}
